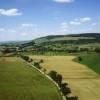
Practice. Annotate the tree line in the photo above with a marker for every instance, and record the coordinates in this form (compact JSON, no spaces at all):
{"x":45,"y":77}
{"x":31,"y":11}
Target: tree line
{"x":56,"y":77}
{"x":64,"y":88}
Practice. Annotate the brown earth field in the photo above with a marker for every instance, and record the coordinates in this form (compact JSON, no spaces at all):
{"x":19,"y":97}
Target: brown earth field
{"x":84,"y":82}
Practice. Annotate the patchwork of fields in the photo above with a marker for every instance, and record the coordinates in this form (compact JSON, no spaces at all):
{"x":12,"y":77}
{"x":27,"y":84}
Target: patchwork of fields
{"x":84,"y":82}
{"x":19,"y":81}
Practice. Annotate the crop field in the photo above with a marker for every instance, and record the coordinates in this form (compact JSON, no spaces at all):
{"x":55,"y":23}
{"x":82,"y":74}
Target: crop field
{"x":84,"y":82}
{"x":19,"y":81}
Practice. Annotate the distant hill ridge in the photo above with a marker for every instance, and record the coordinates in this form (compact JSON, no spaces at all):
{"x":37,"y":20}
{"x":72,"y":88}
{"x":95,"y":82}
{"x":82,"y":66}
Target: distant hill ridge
{"x":69,"y":37}
{"x":72,"y":39}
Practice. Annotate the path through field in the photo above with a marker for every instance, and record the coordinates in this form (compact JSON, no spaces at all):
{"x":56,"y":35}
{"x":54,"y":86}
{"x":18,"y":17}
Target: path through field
{"x":84,"y":82}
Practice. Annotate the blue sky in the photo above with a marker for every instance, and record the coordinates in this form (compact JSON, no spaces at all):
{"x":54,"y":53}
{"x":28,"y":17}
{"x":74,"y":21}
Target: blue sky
{"x":29,"y":19}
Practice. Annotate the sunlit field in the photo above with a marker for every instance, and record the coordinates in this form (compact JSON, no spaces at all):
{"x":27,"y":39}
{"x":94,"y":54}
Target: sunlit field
{"x":19,"y":81}
{"x":84,"y":82}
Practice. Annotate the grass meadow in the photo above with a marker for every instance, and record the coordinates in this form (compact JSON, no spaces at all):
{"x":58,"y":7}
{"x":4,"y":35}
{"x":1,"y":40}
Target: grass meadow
{"x":92,"y":61}
{"x":19,"y":81}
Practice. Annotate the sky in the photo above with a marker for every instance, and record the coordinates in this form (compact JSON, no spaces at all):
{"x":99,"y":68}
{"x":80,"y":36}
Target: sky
{"x":30,"y":19}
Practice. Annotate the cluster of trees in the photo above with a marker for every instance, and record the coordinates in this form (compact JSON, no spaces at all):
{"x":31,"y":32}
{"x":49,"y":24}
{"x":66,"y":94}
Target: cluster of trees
{"x":26,"y":58}
{"x":63,"y":86}
{"x":37,"y":64}
{"x":97,"y":50}
{"x":66,"y":50}
{"x":73,"y":42}
{"x":49,"y":47}
{"x":80,"y":58}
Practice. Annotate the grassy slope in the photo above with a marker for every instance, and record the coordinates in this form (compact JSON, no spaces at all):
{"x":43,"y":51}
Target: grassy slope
{"x":19,"y":81}
{"x":75,"y":37}
{"x":92,"y":61}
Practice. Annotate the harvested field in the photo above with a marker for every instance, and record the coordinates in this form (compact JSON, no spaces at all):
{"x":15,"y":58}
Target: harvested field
{"x":84,"y":82}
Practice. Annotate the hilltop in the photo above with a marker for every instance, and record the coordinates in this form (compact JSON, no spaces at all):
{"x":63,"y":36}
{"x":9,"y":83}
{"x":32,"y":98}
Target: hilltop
{"x":90,"y":37}
{"x":58,"y":44}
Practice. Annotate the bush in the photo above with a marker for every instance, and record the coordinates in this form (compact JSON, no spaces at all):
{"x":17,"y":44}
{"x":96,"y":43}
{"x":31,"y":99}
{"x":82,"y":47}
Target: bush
{"x":79,"y":58}
{"x":30,"y":60}
{"x":59,"y":79}
{"x":72,"y":98}
{"x":7,"y":50}
{"x":65,"y":90}
{"x":41,"y":61}
{"x":97,"y":50}
{"x":53,"y":75}
{"x":26,"y":58}
{"x":36,"y":64}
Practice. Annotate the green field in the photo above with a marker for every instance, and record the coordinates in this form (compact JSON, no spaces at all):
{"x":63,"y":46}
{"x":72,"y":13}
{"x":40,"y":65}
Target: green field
{"x":92,"y":61}
{"x":19,"y":81}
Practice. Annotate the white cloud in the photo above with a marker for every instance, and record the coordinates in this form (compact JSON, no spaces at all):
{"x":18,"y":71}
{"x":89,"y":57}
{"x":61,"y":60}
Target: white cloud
{"x":7,"y":30}
{"x":74,"y":23}
{"x":2,"y":30}
{"x":85,"y":19}
{"x":94,"y":24}
{"x":24,"y":34}
{"x":64,"y":27}
{"x":64,"y":1}
{"x":10,"y":12}
{"x":79,"y":21}
{"x":11,"y":31}
{"x":28,"y":25}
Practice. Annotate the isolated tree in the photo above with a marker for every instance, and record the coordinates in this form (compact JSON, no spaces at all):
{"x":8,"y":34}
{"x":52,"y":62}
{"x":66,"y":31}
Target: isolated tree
{"x":30,"y":60}
{"x":53,"y":75}
{"x":79,"y":58}
{"x":65,"y":89}
{"x":26,"y":58}
{"x":36,"y":64}
{"x":41,"y":61}
{"x":97,"y":50}
{"x":6,"y":51}
{"x":59,"y":79}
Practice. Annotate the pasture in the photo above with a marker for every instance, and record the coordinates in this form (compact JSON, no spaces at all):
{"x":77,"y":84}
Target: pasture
{"x":92,"y":61}
{"x":19,"y":81}
{"x":84,"y":82}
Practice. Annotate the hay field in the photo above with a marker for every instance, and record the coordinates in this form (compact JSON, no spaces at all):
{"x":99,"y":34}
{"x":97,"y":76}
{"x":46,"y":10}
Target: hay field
{"x":19,"y":81}
{"x":84,"y":82}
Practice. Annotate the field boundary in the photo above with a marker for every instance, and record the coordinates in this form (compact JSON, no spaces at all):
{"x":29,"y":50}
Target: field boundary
{"x":63,"y":97}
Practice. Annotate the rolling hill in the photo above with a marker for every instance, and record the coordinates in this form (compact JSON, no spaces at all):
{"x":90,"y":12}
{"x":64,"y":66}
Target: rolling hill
{"x":73,"y":38}
{"x":59,"y":44}
{"x":70,"y":43}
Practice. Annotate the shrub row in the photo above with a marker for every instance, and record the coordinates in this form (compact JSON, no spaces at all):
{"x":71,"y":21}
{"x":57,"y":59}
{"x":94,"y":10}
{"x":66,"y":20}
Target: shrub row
{"x":63,"y":86}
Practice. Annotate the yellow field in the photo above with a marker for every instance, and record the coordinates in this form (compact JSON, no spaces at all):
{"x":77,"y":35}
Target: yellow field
{"x":84,"y":82}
